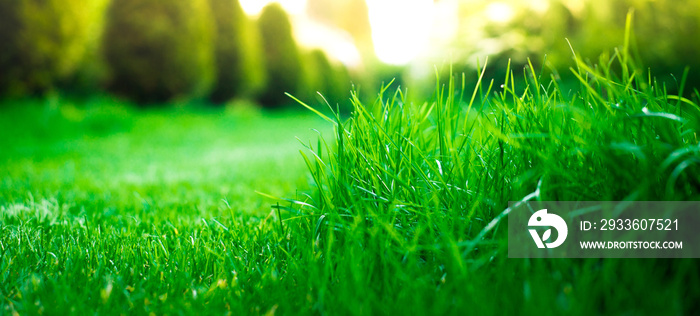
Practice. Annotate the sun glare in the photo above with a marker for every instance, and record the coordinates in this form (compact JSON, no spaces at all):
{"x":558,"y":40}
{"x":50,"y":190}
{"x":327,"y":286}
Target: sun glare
{"x":335,"y":42}
{"x":400,"y":28}
{"x":499,"y":12}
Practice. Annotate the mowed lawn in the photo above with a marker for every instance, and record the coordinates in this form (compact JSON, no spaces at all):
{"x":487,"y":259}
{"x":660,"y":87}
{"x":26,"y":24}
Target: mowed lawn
{"x":92,"y":196}
{"x":99,"y":159}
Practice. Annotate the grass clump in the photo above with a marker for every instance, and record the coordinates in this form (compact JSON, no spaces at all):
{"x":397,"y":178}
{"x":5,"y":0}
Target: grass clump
{"x":410,"y":199}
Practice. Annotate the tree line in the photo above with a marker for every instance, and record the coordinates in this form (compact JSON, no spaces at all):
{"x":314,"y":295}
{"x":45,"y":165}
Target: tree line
{"x":156,"y":51}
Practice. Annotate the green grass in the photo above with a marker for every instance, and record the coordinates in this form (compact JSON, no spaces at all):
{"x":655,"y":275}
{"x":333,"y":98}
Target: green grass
{"x":96,"y":197}
{"x":403,"y":209}
{"x":411,"y":202}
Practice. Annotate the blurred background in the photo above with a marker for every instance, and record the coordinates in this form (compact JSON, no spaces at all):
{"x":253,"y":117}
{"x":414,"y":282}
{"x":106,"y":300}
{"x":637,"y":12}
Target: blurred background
{"x":157,"y":52}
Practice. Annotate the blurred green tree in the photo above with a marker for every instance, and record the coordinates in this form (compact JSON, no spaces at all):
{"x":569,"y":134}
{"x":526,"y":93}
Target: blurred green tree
{"x":282,"y":57}
{"x":157,"y":50}
{"x":330,"y":79}
{"x":240,"y":72}
{"x":90,"y":73}
{"x":534,"y":29}
{"x":44,"y":42}
{"x":352,"y":16}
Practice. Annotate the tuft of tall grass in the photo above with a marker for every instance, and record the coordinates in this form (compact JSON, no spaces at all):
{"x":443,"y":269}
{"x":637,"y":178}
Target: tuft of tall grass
{"x":410,"y":196}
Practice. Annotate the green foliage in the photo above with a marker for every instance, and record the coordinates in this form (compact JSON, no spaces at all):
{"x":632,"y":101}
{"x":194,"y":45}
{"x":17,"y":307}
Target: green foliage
{"x":43,"y":43}
{"x":282,"y":57}
{"x":239,"y":65}
{"x":411,"y":198}
{"x":9,"y":20}
{"x":102,"y":178}
{"x":592,"y":27}
{"x":661,"y":28}
{"x":158,"y":50}
{"x":331,"y":80}
{"x":90,"y":74}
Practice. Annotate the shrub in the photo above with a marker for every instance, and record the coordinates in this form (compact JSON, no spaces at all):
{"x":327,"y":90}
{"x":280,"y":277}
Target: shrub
{"x":157,"y":50}
{"x":44,"y":42}
{"x":282,"y":58}
{"x":239,"y":67}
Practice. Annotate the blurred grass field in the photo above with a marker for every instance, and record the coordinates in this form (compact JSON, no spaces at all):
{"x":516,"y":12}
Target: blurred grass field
{"x":70,"y":170}
{"x":152,"y":161}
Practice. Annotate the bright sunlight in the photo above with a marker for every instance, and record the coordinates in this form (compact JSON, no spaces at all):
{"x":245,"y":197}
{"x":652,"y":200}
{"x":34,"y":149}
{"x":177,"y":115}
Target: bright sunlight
{"x":400,"y":28}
